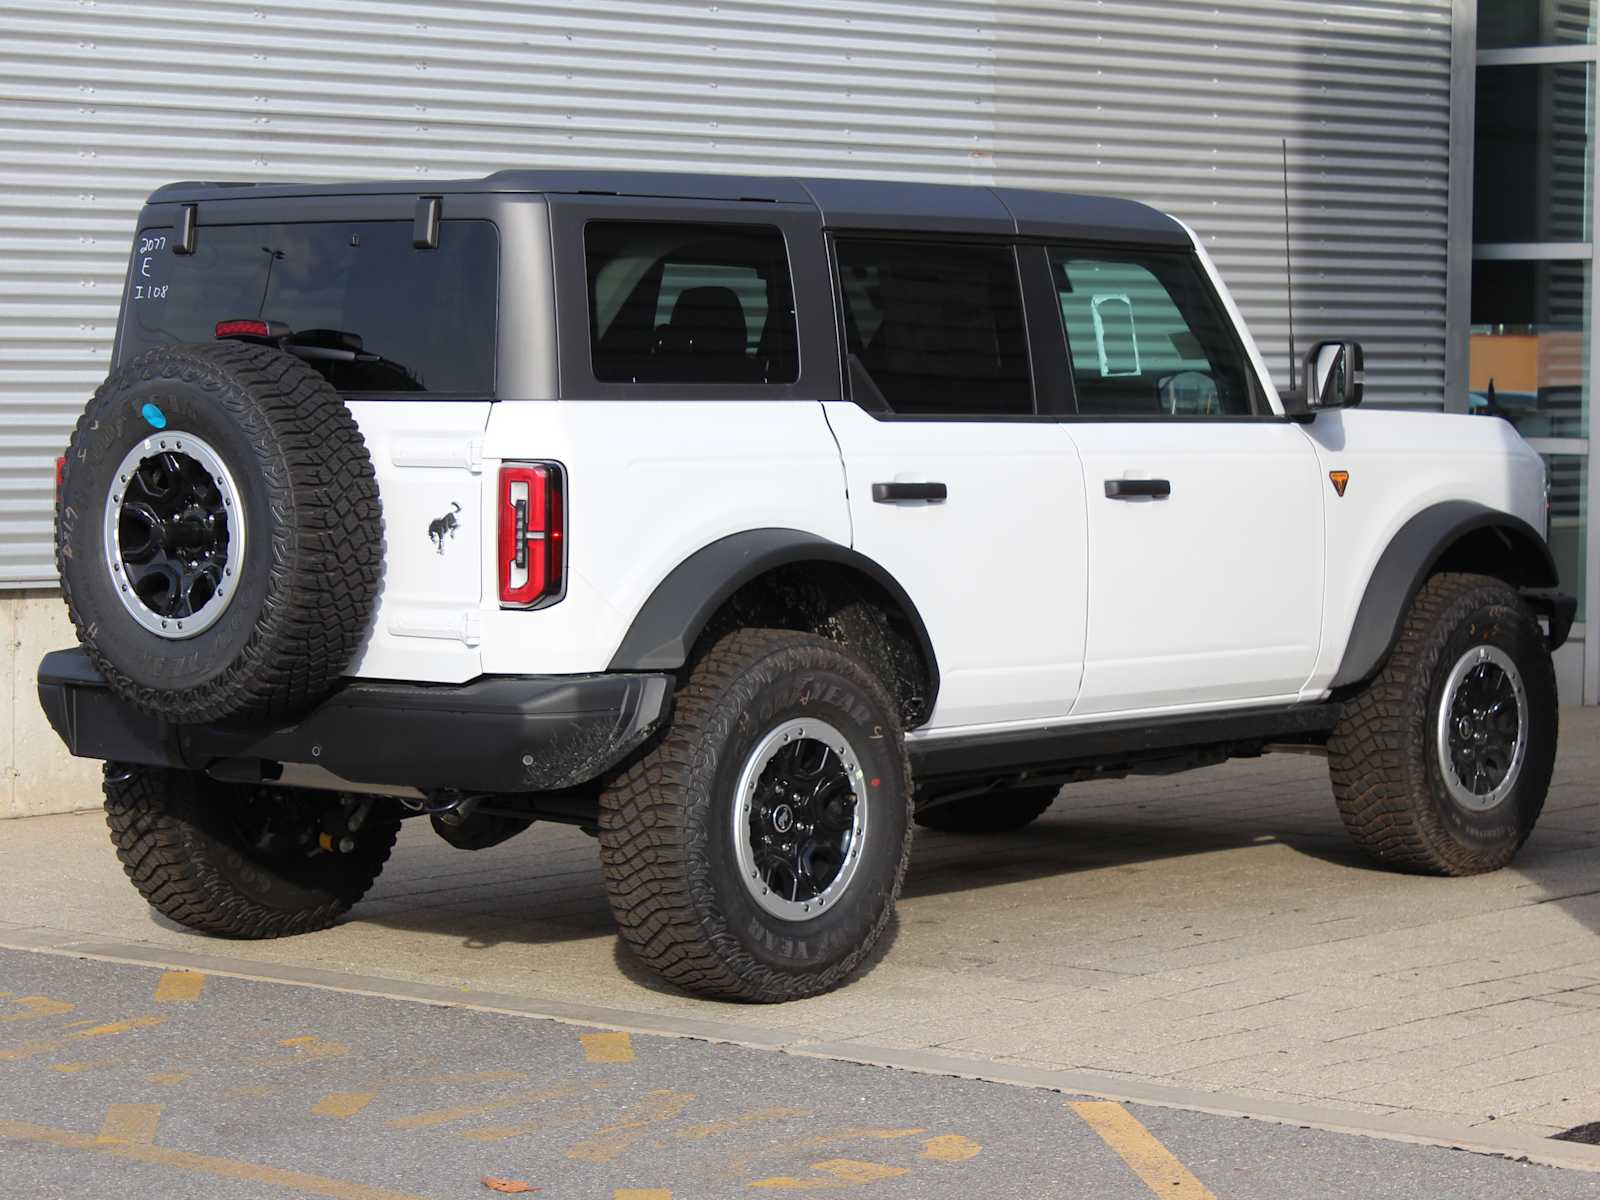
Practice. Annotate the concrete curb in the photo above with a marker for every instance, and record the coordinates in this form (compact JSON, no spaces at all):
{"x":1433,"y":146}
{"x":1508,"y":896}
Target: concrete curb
{"x":1395,"y":1127}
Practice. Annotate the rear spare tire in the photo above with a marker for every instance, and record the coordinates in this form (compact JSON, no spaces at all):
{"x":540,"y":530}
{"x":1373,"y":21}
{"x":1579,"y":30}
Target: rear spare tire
{"x":218,"y":533}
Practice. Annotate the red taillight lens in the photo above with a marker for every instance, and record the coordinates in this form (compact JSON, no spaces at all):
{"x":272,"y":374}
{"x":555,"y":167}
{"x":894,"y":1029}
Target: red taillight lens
{"x":227,"y":329}
{"x":532,"y":533}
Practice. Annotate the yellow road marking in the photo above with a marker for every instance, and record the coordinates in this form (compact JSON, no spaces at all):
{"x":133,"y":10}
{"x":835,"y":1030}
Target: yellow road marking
{"x":35,"y":1007}
{"x":641,"y":1194}
{"x":87,"y":1064}
{"x":342,"y":1104}
{"x":950,"y":1147}
{"x":309,"y":1047}
{"x":607,"y":1047}
{"x":1137,"y":1146}
{"x":834,"y":1173}
{"x":180,"y":985}
{"x":169,"y":1077}
{"x":32,"y":1049}
{"x":699,"y":1133}
{"x":737,"y":1164}
{"x":461,"y":1112}
{"x":129,"y":1124}
{"x":201,"y":1164}
{"x":607,"y":1143}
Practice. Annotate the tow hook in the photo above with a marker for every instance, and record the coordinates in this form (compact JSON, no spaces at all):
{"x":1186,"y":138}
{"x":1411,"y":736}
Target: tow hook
{"x":340,"y":825}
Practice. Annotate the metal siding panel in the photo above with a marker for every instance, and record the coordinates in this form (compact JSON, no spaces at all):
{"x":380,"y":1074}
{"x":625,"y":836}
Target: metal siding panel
{"x":101,"y":103}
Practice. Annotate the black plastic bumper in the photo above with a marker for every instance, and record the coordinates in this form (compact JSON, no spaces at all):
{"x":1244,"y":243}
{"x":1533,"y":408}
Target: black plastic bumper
{"x":506,"y":733}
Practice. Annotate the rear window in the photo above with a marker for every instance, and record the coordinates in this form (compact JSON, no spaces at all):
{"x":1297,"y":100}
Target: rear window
{"x":362,"y":305}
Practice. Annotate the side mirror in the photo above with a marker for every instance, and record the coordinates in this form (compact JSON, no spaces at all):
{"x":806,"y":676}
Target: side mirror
{"x":1335,"y":375}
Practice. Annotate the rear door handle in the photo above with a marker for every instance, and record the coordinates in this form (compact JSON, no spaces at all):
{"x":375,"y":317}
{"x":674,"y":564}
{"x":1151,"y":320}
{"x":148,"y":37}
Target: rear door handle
{"x":1130,"y":489}
{"x":890,"y":493}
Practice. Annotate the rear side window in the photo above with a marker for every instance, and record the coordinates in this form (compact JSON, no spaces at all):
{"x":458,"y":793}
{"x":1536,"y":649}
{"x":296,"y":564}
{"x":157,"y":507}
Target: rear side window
{"x":1148,"y":337}
{"x":361,"y":304}
{"x":689,"y":303}
{"x":933,"y":328}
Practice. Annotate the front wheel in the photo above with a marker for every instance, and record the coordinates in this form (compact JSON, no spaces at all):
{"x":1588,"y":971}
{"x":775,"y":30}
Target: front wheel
{"x":239,"y":861}
{"x":756,"y":851}
{"x":1441,"y":764}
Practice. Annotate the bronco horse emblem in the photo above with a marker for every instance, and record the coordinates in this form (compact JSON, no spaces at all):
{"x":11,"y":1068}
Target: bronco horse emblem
{"x":440,"y":527}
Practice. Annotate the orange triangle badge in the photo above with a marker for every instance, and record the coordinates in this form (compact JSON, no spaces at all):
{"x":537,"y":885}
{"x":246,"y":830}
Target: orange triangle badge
{"x":1340,"y":479}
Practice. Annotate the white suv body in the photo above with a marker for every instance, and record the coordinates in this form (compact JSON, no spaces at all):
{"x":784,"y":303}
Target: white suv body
{"x":1030,"y":432}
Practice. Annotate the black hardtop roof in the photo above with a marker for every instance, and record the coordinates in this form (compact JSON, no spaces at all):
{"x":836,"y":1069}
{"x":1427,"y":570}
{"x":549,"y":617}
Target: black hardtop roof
{"x":843,"y":203}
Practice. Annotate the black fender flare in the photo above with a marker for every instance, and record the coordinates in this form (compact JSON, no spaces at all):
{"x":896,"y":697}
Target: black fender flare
{"x":666,"y":626}
{"x":1411,"y":556}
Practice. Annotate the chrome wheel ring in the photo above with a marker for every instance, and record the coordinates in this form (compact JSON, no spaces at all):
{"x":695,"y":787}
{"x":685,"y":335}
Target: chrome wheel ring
{"x":1481,"y":733}
{"x":799,"y":819}
{"x":174,"y":534}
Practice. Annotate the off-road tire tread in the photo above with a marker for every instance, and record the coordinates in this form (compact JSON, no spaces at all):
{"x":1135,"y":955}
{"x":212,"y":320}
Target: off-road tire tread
{"x":1379,"y":797}
{"x":152,"y":815}
{"x":1001,"y":812}
{"x":653,"y":868}
{"x":327,"y":555}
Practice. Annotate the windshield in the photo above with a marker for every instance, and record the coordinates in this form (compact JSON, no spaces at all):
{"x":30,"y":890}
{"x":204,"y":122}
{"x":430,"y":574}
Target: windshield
{"x":386,"y":316}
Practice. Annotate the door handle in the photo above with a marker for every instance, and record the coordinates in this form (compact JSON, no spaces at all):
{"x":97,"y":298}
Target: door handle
{"x":891,"y":493}
{"x":1131,"y":489}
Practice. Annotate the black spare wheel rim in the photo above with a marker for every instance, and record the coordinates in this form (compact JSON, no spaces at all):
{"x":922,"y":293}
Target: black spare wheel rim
{"x":1482,"y":730}
{"x":175,"y":534}
{"x":219,"y":533}
{"x":800,"y":819}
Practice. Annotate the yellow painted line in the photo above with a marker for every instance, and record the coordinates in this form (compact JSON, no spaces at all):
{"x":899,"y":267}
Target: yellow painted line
{"x":201,"y":1164}
{"x":641,"y":1194}
{"x":309,"y":1047}
{"x":33,"y":1049}
{"x":564,"y":1119}
{"x":130,"y":1124}
{"x":709,"y":1129}
{"x":607,"y":1047}
{"x":950,"y":1147}
{"x":169,"y":1077}
{"x":176,"y":986}
{"x":87,"y":1064}
{"x":342,"y":1104}
{"x":608,"y":1143}
{"x":462,"y":1112}
{"x":1137,"y":1146}
{"x":34,"y":1008}
{"x":743,"y":1161}
{"x":834,"y":1173}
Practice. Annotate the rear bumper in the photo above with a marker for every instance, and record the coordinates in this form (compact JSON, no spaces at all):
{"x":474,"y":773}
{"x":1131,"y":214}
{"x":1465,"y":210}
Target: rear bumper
{"x":522,"y":733}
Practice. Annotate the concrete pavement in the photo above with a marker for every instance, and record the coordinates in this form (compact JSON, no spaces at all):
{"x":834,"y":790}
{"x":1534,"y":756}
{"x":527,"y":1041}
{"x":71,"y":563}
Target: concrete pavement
{"x":1209,"y":934}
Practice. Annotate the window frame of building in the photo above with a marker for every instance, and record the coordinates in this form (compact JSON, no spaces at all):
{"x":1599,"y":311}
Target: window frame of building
{"x":1588,"y":252}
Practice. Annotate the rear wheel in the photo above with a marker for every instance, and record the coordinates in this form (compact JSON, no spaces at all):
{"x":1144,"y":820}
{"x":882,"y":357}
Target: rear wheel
{"x":240,"y":861}
{"x":756,"y":851}
{"x":1441,"y":764}
{"x":995,"y":812}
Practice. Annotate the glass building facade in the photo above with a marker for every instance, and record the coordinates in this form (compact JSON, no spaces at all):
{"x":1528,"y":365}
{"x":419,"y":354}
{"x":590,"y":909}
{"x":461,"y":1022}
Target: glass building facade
{"x":1532,"y":350}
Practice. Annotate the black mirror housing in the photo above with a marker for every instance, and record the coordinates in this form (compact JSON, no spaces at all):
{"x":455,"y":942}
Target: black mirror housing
{"x":1335,"y":375}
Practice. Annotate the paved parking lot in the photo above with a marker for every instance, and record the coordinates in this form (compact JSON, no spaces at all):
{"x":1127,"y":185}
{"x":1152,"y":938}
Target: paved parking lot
{"x":134,"y":1081}
{"x":1208,"y":939}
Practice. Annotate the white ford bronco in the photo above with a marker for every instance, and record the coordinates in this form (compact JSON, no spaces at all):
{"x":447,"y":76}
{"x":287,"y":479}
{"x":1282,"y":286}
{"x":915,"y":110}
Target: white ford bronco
{"x":745,"y":523}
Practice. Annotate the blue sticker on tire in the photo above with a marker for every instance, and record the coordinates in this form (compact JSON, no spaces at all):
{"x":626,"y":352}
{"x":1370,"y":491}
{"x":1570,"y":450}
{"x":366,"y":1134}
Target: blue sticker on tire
{"x":154,"y":415}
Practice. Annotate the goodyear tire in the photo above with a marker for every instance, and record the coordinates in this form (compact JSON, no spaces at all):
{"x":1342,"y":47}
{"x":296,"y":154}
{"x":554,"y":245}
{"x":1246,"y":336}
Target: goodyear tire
{"x":1002,"y":812}
{"x":238,"y":861}
{"x":218,"y":533}
{"x":755,"y":852}
{"x":1440,"y":765}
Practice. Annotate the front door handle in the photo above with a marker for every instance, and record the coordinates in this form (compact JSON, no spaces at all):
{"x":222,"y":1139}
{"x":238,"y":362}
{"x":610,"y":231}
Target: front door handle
{"x":1131,"y":489}
{"x":891,"y":493}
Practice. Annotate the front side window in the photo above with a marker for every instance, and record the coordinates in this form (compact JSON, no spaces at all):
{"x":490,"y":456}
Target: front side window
{"x":934,"y":329}
{"x":689,"y":303}
{"x":1147,"y":337}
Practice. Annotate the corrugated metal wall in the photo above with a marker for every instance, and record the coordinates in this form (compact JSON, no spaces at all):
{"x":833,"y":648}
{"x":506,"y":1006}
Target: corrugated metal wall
{"x":1179,"y":103}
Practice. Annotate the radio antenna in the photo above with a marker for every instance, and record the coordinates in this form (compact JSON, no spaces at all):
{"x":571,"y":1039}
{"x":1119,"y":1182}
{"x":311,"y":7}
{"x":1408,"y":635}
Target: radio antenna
{"x":1288,"y":261}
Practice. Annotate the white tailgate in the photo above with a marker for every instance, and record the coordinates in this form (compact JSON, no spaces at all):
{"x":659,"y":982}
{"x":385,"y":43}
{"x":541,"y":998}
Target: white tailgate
{"x":428,"y":455}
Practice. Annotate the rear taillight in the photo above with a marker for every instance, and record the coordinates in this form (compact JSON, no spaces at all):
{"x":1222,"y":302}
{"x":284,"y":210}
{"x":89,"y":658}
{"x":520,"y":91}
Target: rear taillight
{"x":231,"y":329}
{"x":532,"y":534}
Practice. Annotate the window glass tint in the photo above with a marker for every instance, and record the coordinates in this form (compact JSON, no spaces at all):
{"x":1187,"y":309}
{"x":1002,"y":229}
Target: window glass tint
{"x":364,"y":307}
{"x":683,"y":303}
{"x":934,"y":329}
{"x":1147,"y":337}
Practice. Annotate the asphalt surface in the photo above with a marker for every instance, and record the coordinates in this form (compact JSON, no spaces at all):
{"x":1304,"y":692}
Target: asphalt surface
{"x":130,"y":1081}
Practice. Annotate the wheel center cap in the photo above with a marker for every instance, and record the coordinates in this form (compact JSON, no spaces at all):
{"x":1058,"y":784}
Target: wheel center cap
{"x":783,"y":818}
